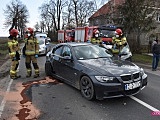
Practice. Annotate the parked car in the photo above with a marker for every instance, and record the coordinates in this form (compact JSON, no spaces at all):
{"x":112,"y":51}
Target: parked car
{"x":44,"y":46}
{"x":44,"y":43}
{"x":95,"y":72}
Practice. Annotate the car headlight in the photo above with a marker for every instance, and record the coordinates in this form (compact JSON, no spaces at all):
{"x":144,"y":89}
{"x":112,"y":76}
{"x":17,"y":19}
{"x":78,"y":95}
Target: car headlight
{"x":104,"y":78}
{"x":142,"y":71}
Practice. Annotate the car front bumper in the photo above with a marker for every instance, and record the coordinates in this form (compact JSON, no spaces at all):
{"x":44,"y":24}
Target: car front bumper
{"x":42,"y":51}
{"x":111,"y":90}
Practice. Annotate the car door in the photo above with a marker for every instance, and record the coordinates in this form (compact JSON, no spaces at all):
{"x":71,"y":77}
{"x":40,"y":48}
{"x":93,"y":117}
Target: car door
{"x":68,"y":71}
{"x":56,"y":59}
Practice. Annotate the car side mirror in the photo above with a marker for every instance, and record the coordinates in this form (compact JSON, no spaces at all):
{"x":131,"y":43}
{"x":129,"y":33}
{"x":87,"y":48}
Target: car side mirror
{"x":47,"y":43}
{"x":68,"y":58}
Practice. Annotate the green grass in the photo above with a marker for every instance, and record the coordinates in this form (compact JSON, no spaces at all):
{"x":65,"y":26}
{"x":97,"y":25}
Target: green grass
{"x":53,"y":42}
{"x":142,"y":58}
{"x":3,"y":48}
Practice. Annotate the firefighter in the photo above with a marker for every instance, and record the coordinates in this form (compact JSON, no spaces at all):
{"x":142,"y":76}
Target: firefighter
{"x":30,"y":52}
{"x":118,"y":41}
{"x":95,"y":38}
{"x":14,"y":48}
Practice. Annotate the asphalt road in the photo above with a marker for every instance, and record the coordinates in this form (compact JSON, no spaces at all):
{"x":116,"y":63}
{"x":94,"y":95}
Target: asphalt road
{"x":44,"y":98}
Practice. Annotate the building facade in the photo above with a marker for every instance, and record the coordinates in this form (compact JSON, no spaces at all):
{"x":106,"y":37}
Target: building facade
{"x":105,"y":15}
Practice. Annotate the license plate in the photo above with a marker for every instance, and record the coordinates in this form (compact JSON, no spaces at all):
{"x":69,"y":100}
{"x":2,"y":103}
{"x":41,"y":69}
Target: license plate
{"x":133,"y":85}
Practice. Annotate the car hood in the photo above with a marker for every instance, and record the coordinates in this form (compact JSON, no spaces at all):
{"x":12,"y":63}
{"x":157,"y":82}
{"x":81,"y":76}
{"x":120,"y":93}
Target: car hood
{"x":108,"y":66}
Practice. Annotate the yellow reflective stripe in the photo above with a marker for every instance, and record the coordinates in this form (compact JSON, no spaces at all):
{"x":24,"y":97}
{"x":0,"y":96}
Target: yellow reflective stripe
{"x":12,"y":53}
{"x":37,"y":70}
{"x":28,"y":52}
{"x":12,"y":71}
{"x":28,"y":70}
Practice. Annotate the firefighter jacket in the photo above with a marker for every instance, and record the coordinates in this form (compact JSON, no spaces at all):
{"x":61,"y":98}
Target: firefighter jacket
{"x":96,"y":40}
{"x":14,"y":48}
{"x":31,"y":46}
{"x":119,"y":41}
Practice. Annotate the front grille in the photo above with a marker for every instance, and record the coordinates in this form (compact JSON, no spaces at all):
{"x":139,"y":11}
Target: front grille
{"x":136,"y":75}
{"x":127,"y":77}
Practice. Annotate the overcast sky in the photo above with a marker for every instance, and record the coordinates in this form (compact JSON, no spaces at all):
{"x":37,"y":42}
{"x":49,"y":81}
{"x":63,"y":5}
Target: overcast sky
{"x":32,"y":6}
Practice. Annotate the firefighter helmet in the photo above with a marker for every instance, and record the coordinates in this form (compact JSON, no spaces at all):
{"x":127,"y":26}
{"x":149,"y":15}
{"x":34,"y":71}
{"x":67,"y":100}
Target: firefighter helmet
{"x":119,"y":31}
{"x":95,"y":31}
{"x":29,"y":30}
{"x":14,"y":32}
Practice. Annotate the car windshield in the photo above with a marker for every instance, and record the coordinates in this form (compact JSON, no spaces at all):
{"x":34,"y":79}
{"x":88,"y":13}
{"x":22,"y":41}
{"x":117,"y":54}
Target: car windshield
{"x":107,"y":33}
{"x":90,"y":52}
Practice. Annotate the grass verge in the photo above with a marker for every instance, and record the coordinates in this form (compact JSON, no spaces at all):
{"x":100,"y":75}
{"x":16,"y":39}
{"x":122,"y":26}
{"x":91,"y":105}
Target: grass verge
{"x":142,"y":58}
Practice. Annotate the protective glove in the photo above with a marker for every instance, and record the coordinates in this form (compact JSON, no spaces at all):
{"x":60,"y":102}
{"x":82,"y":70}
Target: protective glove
{"x":36,"y":56}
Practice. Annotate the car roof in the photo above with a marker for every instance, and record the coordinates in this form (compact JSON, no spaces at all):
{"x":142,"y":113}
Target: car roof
{"x":73,"y":44}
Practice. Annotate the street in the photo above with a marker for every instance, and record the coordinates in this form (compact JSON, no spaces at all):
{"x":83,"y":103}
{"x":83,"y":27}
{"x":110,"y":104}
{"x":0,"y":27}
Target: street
{"x":46,"y":98}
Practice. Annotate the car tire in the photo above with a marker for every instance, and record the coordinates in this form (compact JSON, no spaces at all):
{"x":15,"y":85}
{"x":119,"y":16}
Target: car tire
{"x":87,"y":88}
{"x":48,"y":69}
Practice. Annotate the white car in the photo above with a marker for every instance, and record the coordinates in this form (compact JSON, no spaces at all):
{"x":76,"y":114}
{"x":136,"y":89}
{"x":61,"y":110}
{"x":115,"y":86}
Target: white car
{"x":44,"y":43}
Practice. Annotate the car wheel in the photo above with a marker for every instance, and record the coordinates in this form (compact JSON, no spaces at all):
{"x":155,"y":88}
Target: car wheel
{"x":87,"y":88}
{"x":48,"y":69}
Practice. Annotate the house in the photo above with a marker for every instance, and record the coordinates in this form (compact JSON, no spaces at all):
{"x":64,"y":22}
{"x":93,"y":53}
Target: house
{"x":107,"y":12}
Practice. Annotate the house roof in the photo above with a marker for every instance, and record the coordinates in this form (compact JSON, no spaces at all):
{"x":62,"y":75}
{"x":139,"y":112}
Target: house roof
{"x":107,"y":8}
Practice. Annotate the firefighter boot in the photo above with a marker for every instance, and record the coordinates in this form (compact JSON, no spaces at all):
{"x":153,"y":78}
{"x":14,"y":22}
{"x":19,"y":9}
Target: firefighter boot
{"x":28,"y":73}
{"x":13,"y":75}
{"x":16,"y":77}
{"x":36,"y":73}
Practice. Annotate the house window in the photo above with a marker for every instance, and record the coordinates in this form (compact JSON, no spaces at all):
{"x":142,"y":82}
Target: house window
{"x":158,"y":17}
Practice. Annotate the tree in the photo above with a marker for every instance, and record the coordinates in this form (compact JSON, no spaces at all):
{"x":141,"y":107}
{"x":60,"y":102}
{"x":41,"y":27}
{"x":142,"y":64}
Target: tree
{"x":16,"y":16}
{"x":137,"y":16}
{"x":83,"y":9}
{"x":51,"y":12}
{"x":37,"y":27}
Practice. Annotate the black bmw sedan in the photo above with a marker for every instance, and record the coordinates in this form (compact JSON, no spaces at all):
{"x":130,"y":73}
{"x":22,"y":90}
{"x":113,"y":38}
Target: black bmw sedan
{"x":94,"y":71}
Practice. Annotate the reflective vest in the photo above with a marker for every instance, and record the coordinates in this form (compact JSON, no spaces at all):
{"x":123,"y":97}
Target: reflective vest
{"x":94,"y":40}
{"x":32,"y":46}
{"x":13,"y":47}
{"x":119,"y":41}
{"x":118,"y":44}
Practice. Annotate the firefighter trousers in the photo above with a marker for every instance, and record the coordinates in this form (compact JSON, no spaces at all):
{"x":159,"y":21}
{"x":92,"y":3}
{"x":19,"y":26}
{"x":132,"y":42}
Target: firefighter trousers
{"x":13,"y":69}
{"x":31,"y":59}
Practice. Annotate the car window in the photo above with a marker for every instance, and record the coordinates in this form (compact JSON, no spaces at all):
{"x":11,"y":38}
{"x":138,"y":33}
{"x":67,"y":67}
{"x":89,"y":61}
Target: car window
{"x":57,"y":50}
{"x":90,"y":52}
{"x":66,"y":51}
{"x":41,"y":42}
